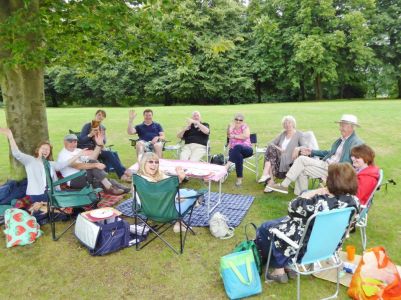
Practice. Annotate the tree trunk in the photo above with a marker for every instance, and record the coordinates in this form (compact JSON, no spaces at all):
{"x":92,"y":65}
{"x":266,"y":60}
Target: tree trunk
{"x":22,"y":88}
{"x":399,"y":87}
{"x":318,"y":88}
{"x":302,"y":90}
{"x":23,"y":94}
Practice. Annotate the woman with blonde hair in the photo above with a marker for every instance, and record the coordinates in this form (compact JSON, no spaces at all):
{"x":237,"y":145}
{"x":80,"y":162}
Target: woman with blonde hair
{"x":150,"y":170}
{"x":279,"y":153}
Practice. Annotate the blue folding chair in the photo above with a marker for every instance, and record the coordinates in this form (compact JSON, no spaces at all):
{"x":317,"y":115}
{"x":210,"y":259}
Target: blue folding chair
{"x":362,"y":218}
{"x":328,"y":230}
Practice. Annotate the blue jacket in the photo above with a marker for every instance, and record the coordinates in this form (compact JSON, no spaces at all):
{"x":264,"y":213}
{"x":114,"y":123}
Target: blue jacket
{"x":350,"y":142}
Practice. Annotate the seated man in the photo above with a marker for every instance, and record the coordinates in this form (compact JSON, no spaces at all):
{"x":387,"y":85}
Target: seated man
{"x":94,"y":169}
{"x":151,"y":135}
{"x":196,"y":136}
{"x":306,"y":166}
{"x":87,"y":140}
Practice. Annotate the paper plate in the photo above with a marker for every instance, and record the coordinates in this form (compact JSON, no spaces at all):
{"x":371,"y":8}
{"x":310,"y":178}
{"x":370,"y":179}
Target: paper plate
{"x":100,"y":214}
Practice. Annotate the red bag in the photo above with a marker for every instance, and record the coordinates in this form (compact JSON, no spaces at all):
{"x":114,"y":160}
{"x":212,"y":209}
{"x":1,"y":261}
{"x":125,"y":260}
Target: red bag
{"x":376,"y":277}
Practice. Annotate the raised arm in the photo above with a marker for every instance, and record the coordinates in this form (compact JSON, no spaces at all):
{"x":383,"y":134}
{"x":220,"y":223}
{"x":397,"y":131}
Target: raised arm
{"x":21,"y":157}
{"x":131,"y":118}
{"x":8,"y":133}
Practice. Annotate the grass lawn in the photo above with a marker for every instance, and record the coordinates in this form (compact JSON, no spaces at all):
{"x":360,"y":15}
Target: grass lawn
{"x":64,"y":269}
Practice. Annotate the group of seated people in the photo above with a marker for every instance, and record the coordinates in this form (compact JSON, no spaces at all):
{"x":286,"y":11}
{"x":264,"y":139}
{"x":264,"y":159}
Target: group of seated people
{"x":347,"y":171}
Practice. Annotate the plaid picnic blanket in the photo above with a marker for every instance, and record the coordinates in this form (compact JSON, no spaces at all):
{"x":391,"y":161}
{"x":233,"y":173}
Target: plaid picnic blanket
{"x":109,"y":200}
{"x":233,"y":206}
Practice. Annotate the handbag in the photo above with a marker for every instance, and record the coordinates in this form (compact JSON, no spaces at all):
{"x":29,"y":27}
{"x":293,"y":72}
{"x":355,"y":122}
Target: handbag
{"x":250,"y":245}
{"x":240,"y":275}
{"x":100,"y":238}
{"x":376,"y":277}
{"x":219,"y":228}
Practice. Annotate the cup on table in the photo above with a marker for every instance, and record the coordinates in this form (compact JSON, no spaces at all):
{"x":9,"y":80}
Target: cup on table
{"x":350,"y":252}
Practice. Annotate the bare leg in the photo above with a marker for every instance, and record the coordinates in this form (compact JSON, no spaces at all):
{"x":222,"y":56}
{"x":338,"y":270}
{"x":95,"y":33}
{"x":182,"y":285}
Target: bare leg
{"x":140,"y":149}
{"x":158,"y":149}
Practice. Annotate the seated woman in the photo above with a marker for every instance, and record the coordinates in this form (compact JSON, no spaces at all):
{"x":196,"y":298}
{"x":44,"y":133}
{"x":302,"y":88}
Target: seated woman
{"x":34,"y":168}
{"x":149,"y":169}
{"x":342,"y":185}
{"x":363,"y":160}
{"x":279,"y":152}
{"x":239,"y":144}
{"x":87,"y":140}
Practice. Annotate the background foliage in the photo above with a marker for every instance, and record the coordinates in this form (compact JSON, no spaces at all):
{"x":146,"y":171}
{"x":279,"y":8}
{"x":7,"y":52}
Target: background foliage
{"x":222,"y":51}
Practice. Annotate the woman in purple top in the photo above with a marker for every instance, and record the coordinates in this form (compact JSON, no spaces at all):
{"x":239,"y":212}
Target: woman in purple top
{"x":239,"y":144}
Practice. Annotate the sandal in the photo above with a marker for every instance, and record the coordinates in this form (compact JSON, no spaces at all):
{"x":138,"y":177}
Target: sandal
{"x":283,"y":278}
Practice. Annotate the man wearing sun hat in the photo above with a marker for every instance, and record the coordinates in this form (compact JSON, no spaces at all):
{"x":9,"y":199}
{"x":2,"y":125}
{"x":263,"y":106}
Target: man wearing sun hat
{"x":306,"y":166}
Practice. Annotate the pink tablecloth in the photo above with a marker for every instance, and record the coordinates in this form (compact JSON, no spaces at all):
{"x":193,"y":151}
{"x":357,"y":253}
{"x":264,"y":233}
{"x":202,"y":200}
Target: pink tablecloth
{"x":192,"y":169}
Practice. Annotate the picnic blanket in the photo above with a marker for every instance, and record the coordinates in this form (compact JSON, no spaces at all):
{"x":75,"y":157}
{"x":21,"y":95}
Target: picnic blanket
{"x":109,"y":200}
{"x":233,"y":206}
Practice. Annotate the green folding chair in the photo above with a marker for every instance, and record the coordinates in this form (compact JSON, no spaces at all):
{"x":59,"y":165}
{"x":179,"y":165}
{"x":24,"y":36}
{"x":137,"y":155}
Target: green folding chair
{"x":157,"y":204}
{"x":60,"y":200}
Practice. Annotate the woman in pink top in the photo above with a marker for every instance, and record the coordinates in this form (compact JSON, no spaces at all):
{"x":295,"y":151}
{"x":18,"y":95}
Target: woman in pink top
{"x":239,"y":144}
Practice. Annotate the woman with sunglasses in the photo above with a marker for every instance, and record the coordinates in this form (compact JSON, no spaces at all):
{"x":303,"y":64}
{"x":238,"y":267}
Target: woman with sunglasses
{"x":279,"y":153}
{"x":239,"y":144}
{"x":35,"y":171}
{"x":149,"y":169}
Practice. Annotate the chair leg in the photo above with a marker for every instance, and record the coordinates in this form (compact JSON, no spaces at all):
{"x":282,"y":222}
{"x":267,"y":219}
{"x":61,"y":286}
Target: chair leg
{"x":363,"y":237}
{"x":298,"y":286}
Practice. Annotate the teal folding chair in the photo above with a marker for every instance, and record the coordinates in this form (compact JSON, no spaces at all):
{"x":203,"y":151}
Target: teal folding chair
{"x":59,"y":200}
{"x":327,"y":229}
{"x":362,"y":218}
{"x":157,"y":203}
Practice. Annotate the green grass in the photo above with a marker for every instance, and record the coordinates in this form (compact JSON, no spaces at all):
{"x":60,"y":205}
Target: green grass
{"x":64,"y":269}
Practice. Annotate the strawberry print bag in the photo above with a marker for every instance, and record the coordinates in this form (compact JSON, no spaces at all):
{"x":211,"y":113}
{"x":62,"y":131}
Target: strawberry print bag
{"x":20,"y":228}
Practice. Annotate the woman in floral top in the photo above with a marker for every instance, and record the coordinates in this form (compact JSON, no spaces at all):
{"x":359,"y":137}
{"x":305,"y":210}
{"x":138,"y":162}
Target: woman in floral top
{"x":342,"y":185}
{"x":239,"y":144}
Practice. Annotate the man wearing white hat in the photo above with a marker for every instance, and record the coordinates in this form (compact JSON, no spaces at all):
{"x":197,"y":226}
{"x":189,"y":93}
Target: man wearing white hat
{"x":305,"y":166}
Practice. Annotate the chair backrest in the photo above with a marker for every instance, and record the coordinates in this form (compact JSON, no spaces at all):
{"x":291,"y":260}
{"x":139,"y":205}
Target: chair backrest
{"x":327,"y":232}
{"x":366,"y":208}
{"x":49,"y":179}
{"x":254,"y":138}
{"x":77,"y":133}
{"x":157,"y":198}
{"x":310,"y":140}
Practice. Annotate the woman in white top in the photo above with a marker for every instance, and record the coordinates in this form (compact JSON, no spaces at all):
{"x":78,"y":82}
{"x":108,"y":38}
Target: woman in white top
{"x":34,"y":168}
{"x":280,"y":152}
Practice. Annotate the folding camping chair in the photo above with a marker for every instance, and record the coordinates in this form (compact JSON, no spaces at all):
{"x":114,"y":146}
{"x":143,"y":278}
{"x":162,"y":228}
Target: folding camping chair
{"x":327,"y":229}
{"x":178,"y":147}
{"x":362,"y":218}
{"x":250,"y":163}
{"x":62,"y":199}
{"x":157,"y":203}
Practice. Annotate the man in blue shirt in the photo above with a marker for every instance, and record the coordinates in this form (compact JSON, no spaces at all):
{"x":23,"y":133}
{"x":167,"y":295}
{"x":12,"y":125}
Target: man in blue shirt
{"x":151,"y":135}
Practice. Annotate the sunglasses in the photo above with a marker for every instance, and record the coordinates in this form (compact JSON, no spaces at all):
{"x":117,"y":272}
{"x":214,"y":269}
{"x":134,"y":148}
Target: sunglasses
{"x":71,"y":141}
{"x":153,"y":162}
{"x":239,"y":120}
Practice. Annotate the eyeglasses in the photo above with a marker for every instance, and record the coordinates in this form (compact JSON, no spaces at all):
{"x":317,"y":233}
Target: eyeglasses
{"x":238,"y":120}
{"x":153,"y":162}
{"x":71,"y":141}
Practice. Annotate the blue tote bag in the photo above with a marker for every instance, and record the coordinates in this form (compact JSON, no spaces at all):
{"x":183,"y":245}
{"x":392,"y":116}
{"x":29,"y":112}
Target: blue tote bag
{"x":240,"y":275}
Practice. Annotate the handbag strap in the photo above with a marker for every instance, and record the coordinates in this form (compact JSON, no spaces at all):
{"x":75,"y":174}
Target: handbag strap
{"x":238,"y":273}
{"x":245,"y":229}
{"x":229,"y":234}
{"x":384,"y":261}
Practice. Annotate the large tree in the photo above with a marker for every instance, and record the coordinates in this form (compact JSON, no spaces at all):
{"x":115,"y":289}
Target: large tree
{"x":36,"y":33}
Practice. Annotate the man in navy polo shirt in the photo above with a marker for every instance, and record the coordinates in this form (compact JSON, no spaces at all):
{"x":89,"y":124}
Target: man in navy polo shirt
{"x":151,"y":135}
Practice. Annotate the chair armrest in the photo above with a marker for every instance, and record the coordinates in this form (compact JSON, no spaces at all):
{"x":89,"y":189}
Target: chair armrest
{"x":283,"y":237}
{"x":133,"y":142}
{"x":68,"y":178}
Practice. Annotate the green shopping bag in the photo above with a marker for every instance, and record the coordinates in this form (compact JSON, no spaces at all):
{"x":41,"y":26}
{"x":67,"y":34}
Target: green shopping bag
{"x":240,"y":275}
{"x":250,"y":245}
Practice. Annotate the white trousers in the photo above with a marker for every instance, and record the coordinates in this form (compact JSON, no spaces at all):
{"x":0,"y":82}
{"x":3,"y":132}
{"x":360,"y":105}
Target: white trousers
{"x":192,"y":152}
{"x":303,"y":168}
